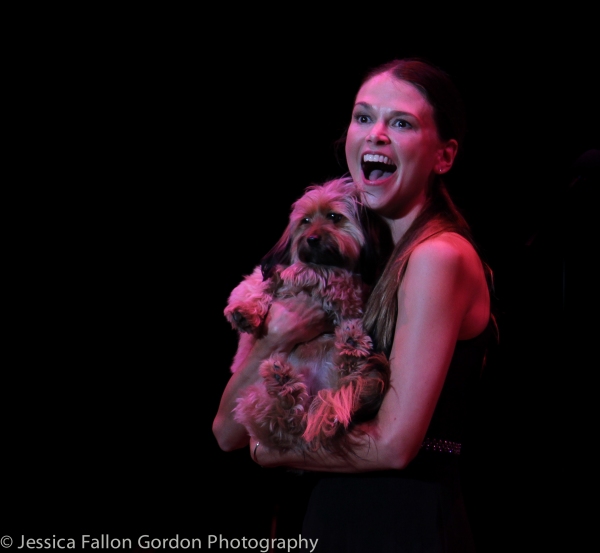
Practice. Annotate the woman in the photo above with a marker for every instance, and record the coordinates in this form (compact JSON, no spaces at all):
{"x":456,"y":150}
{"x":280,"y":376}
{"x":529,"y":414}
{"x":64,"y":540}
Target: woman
{"x":430,"y":312}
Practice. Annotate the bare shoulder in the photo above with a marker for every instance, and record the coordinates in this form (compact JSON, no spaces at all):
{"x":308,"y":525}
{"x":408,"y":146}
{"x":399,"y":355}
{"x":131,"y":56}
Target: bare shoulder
{"x":449,"y":268}
{"x":448,"y":250}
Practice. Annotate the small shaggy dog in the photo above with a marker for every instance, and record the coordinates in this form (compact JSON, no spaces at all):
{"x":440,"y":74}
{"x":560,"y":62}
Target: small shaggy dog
{"x":333,"y":249}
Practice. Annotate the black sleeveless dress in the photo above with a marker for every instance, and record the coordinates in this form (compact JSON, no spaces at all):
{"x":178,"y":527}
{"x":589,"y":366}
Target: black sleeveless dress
{"x":417,"y":510}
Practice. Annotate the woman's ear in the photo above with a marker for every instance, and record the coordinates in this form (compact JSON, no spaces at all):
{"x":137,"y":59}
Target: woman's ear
{"x":446,"y":155}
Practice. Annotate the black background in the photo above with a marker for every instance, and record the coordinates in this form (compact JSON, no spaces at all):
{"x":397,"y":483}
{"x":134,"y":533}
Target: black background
{"x":158,"y":162}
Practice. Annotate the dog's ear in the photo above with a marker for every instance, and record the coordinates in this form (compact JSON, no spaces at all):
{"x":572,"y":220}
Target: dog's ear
{"x":378,"y":245}
{"x":279,"y":254}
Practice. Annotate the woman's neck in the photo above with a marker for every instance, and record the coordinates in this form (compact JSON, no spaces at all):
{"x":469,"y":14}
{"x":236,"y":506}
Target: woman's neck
{"x":399,"y":225}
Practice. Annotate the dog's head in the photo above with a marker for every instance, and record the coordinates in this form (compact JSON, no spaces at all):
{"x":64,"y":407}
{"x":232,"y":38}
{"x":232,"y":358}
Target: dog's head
{"x":329,"y":225}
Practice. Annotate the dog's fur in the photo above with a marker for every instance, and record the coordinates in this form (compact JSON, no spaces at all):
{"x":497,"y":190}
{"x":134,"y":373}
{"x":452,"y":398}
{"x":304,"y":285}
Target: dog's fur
{"x":333,"y":249}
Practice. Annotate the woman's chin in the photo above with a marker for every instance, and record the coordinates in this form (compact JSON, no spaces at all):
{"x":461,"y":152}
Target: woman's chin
{"x":374,"y":196}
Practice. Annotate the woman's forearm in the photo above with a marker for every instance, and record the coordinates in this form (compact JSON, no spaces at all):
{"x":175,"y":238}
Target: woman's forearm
{"x":250,"y":353}
{"x":366,"y":455}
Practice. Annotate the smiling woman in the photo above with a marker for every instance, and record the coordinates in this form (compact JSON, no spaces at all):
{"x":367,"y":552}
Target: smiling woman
{"x":393,"y":145}
{"x":399,"y":488}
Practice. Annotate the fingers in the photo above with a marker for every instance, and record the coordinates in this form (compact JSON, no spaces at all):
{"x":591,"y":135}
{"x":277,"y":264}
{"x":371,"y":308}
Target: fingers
{"x":297,"y":319}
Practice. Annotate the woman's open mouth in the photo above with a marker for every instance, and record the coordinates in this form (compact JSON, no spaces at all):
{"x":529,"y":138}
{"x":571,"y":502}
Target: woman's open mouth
{"x":377,"y":167}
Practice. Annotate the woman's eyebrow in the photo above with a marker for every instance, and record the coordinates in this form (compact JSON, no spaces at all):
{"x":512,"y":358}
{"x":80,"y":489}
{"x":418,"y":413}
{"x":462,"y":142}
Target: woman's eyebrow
{"x":394,"y":113}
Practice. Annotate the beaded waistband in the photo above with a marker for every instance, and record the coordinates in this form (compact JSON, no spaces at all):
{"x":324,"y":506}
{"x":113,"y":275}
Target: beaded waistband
{"x":443,"y":446}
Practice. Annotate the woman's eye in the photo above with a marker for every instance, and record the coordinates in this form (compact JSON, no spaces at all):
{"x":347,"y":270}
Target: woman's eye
{"x":362,"y":118}
{"x":402,"y":124}
{"x":335,"y":217}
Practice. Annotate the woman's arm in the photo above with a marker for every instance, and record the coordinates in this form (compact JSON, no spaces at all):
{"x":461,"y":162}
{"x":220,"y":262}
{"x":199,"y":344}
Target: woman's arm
{"x":442,"y":294}
{"x":289,"y":322}
{"x":250,"y":353}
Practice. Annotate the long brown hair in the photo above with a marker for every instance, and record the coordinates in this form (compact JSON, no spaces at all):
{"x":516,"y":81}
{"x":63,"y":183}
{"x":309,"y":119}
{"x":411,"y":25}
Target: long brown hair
{"x":439,"y":214}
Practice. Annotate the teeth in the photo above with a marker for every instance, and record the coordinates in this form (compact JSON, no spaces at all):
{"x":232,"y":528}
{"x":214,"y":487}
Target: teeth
{"x":377,"y":158}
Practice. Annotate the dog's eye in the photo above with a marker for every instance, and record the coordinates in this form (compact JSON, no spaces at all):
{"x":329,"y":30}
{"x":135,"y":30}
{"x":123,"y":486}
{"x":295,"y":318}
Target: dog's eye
{"x":305,"y":221}
{"x":335,"y":217}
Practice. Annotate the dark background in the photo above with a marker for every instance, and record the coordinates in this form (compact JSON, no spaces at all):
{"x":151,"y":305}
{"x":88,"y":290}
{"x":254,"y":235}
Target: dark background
{"x":166,"y":160}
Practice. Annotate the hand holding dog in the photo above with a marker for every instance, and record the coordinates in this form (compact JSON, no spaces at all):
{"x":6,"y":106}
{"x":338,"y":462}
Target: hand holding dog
{"x":296,"y":320}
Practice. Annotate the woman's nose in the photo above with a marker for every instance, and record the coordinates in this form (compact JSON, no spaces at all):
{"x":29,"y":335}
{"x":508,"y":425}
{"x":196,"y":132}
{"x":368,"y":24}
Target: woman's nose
{"x":377,"y":136}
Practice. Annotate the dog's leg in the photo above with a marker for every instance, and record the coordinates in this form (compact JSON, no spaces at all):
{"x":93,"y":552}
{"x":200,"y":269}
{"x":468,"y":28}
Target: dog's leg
{"x":356,"y":400}
{"x":363,"y":377}
{"x":275,"y":410}
{"x":289,"y":394}
{"x":351,"y":343}
{"x":371,"y":381}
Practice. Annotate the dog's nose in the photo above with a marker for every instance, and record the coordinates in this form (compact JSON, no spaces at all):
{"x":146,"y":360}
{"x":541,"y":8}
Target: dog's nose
{"x":313,"y":240}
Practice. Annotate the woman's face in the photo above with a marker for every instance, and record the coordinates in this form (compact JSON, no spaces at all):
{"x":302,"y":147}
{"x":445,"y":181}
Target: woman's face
{"x":392,"y":147}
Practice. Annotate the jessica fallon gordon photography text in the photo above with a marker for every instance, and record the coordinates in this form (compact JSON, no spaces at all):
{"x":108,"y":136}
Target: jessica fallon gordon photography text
{"x":104,"y":541}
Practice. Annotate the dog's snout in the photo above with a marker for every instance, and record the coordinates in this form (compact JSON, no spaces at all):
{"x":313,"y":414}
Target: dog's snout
{"x":313,"y":240}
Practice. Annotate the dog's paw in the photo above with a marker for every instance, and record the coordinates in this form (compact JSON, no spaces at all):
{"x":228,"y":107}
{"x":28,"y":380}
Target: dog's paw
{"x":282,"y":382}
{"x":275,"y":410}
{"x":351,"y":340}
{"x":243,"y":320}
{"x":248,"y":315}
{"x":248,"y":303}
